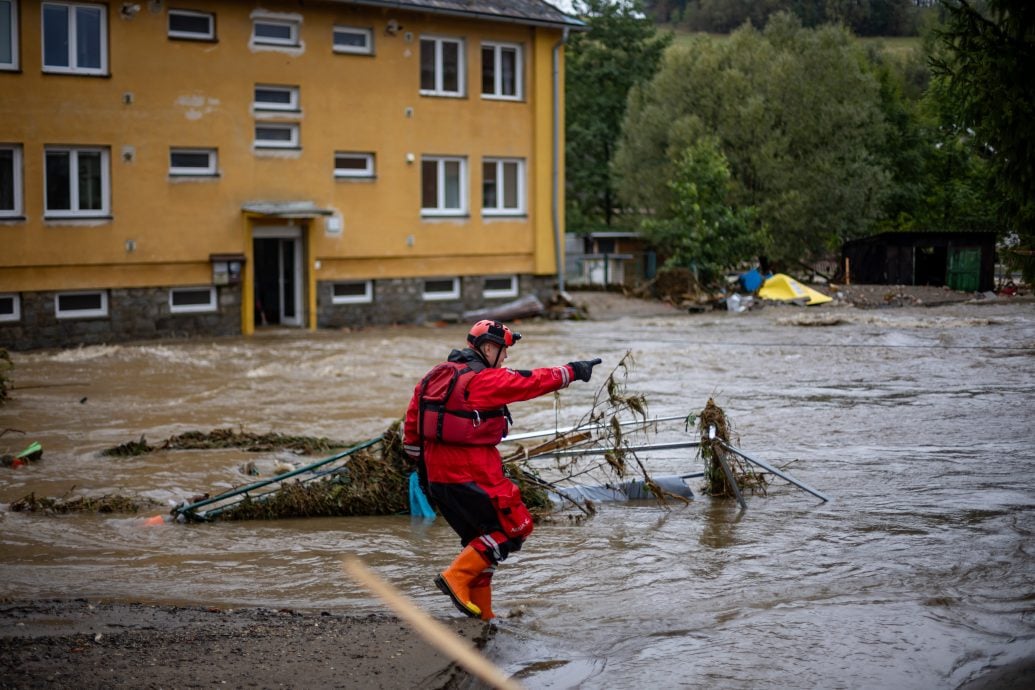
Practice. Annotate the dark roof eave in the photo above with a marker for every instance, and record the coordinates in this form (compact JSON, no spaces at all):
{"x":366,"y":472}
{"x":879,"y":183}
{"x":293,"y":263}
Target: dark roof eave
{"x":570,"y":23}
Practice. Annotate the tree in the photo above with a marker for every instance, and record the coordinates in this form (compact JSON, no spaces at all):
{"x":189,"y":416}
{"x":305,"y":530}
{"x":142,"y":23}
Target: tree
{"x":795,"y":112}
{"x":700,"y":230}
{"x":989,"y":68}
{"x":622,"y":48}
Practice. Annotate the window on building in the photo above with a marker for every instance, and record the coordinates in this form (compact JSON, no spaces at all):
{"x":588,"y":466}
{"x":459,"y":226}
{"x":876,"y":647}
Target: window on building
{"x":503,"y":186}
{"x":10,"y":307}
{"x":75,"y":38}
{"x":441,"y":288}
{"x":443,"y":186}
{"x":77,"y":182}
{"x":192,"y":161}
{"x":275,"y":32}
{"x":353,"y":164}
{"x":79,"y":305}
{"x":501,"y":70}
{"x":8,"y":34}
{"x":192,"y":300}
{"x":441,"y":66}
{"x":353,"y":292}
{"x":276,"y":135}
{"x":198,"y":26}
{"x":10,"y":181}
{"x":500,"y":286}
{"x":348,"y":39}
{"x":276,"y":98}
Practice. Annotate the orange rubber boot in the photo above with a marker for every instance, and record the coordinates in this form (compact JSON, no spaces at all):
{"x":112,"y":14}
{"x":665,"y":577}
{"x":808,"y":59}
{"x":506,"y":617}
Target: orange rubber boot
{"x":481,"y":593}
{"x":455,"y":581}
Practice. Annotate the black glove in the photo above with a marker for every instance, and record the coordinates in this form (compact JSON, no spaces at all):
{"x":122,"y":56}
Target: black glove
{"x":584,"y":369}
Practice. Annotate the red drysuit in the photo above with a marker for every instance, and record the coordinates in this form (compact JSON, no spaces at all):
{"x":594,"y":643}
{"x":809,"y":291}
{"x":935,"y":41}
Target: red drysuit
{"x":466,"y":480}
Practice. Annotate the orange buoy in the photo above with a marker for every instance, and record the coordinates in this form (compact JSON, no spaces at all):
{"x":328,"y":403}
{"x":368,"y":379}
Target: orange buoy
{"x":156,"y":520}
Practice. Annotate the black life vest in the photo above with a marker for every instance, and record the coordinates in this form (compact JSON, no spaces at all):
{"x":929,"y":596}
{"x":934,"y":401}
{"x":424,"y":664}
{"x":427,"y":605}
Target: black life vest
{"x":446,"y":416}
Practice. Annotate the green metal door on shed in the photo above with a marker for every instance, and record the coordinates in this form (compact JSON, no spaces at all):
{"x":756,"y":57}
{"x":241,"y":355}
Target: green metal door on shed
{"x":964,"y":268}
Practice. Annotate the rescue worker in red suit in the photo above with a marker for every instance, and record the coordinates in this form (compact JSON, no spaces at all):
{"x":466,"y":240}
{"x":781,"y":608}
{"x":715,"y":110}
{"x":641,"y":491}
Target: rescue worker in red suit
{"x":456,"y":417}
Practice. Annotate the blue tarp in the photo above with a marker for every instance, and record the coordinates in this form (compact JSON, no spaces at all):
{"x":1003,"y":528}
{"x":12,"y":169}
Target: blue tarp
{"x":751,"y":281}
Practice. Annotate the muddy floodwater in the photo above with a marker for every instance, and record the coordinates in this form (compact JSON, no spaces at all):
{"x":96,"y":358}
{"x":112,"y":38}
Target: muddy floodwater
{"x":917,"y":422}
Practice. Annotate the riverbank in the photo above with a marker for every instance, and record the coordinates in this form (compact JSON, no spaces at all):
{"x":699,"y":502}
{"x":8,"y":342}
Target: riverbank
{"x":599,"y":305}
{"x":82,"y":644}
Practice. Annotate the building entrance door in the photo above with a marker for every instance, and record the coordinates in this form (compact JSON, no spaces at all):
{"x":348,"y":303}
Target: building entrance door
{"x":278,"y":276}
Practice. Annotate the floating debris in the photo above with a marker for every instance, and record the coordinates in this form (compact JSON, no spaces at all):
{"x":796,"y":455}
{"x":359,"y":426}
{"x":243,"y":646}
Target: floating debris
{"x":229,"y":438}
{"x":6,"y":367}
{"x":83,"y":504}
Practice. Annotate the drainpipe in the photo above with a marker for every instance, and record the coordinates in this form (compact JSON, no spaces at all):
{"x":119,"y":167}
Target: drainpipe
{"x":556,"y":191}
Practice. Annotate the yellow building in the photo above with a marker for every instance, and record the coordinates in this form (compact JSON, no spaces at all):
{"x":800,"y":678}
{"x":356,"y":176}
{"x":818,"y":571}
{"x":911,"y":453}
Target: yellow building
{"x":209,"y":167}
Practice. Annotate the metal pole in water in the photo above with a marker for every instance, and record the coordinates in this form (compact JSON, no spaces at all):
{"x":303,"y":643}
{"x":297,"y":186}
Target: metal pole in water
{"x":778,"y":473}
{"x":726,"y":470}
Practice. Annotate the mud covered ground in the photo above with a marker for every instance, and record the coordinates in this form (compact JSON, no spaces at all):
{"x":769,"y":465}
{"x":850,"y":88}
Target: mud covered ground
{"x":83,"y":644}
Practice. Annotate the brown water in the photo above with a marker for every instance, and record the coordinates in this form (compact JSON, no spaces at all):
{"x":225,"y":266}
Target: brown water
{"x":917,"y":422}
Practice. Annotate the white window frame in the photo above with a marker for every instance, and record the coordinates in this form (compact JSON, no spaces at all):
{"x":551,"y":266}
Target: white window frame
{"x":293,"y":24}
{"x":12,"y":38}
{"x":71,"y":37}
{"x":73,"y":162}
{"x":440,"y":208}
{"x":208,"y":308}
{"x":210,"y":35}
{"x":16,"y":181}
{"x":365,"y":172}
{"x":501,"y":165}
{"x":292,"y":104}
{"x":16,"y":313}
{"x":512,"y":291}
{"x":293,"y":143}
{"x":461,"y":68}
{"x":367,"y":34}
{"x":184,"y":171}
{"x":81,"y":313}
{"x":440,"y":296}
{"x":366,"y":298}
{"x":497,"y":76}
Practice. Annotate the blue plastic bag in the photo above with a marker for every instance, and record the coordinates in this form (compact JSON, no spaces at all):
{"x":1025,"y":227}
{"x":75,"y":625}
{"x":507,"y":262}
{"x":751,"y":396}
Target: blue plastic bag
{"x":419,"y":506}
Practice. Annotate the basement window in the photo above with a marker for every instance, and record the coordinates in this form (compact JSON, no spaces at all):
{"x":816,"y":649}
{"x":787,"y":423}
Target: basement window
{"x":353,"y":292}
{"x":10,"y":308}
{"x":81,"y":305}
{"x":441,"y":289}
{"x":192,"y":300}
{"x":500,"y":286}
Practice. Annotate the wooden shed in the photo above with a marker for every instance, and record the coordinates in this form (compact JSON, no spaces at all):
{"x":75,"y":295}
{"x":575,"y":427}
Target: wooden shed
{"x":962,"y":261}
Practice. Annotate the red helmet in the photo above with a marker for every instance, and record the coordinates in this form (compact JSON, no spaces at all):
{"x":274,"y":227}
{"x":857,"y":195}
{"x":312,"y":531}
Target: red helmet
{"x":494,"y":332}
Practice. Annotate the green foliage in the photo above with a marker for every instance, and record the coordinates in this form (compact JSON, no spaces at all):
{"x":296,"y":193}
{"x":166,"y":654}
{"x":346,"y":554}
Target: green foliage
{"x":864,"y":17}
{"x":797,"y":114}
{"x":988,"y":64}
{"x":622,"y":48}
{"x":701,"y":230}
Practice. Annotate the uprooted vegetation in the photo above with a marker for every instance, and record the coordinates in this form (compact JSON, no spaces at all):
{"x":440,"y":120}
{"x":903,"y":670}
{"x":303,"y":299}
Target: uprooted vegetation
{"x":82,"y":504}
{"x":6,"y":368}
{"x":713,"y":452}
{"x":229,"y":438}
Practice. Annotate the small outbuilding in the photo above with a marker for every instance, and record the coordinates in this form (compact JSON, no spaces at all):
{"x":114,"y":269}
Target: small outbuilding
{"x":962,"y":261}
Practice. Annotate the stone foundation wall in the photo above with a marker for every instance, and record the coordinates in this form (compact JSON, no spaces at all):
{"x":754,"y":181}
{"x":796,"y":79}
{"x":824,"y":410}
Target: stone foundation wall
{"x":399,"y":301}
{"x":143,"y":313}
{"x":133,"y":314}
